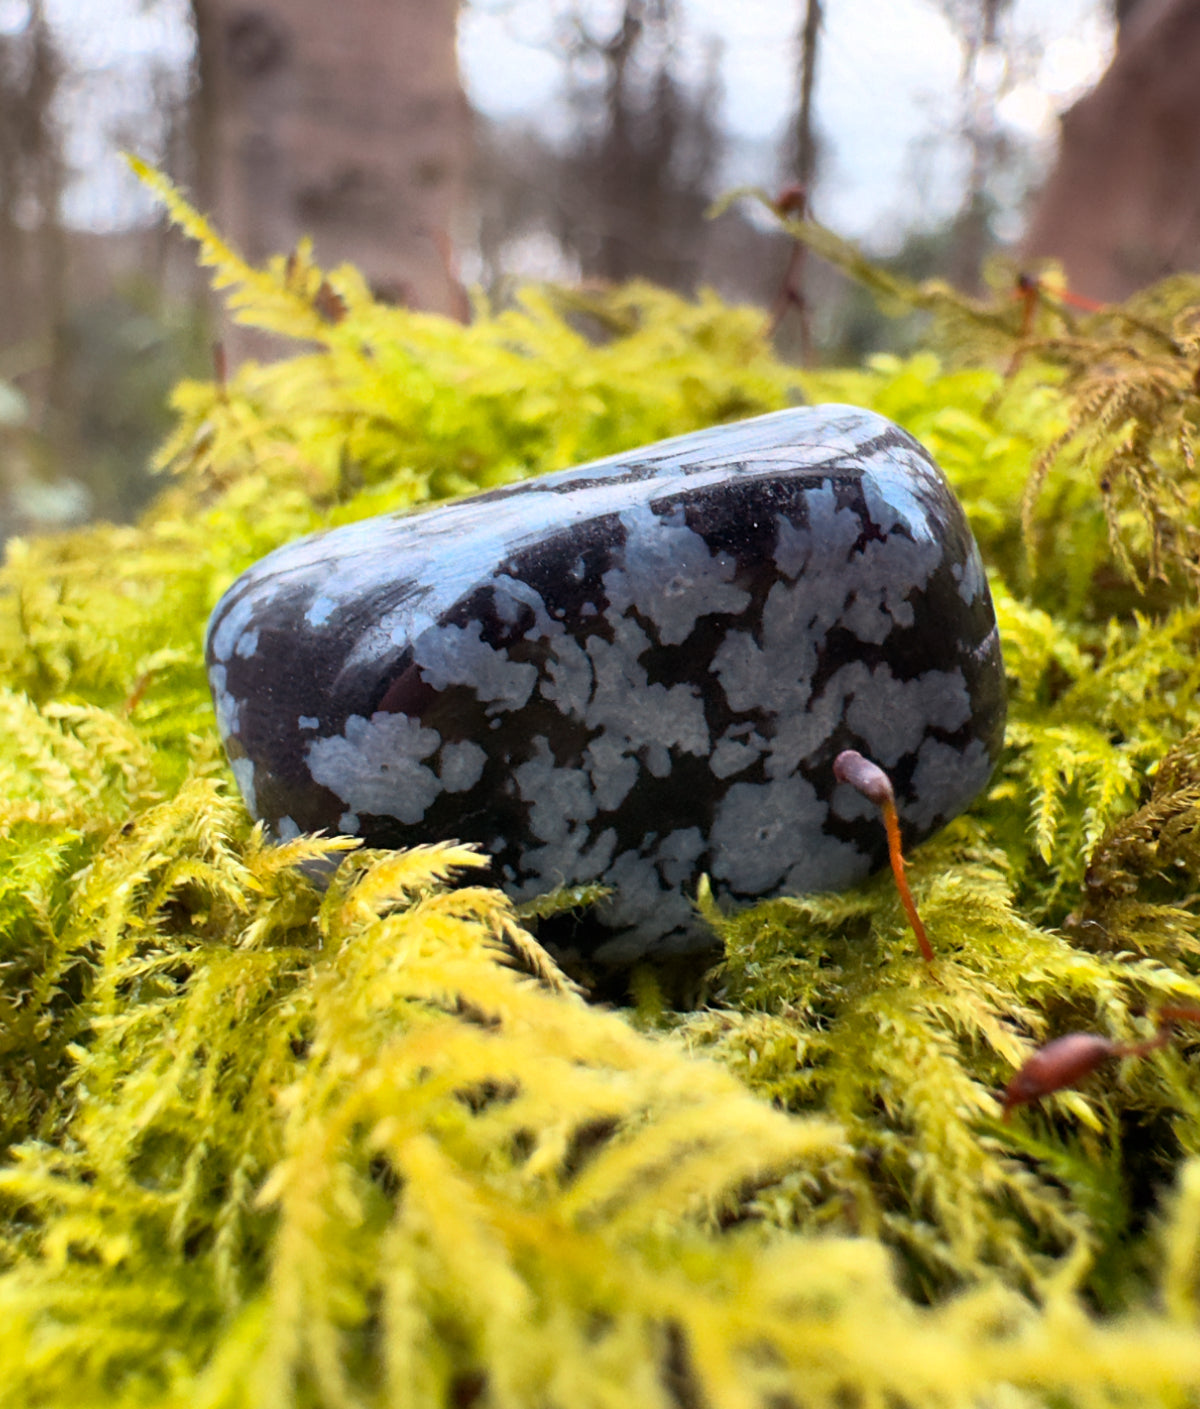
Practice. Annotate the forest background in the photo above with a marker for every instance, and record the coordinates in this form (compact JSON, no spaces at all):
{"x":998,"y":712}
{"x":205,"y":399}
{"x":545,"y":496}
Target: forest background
{"x":440,"y":148}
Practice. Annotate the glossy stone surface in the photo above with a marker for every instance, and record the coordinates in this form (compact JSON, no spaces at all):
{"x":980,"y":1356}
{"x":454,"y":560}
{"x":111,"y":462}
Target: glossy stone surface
{"x":635,"y":671}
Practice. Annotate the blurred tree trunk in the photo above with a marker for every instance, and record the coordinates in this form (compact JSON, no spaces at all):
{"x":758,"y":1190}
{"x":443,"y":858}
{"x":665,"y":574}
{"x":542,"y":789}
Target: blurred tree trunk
{"x":793,"y":293}
{"x":32,"y":242}
{"x":806,"y":142}
{"x":345,"y":122}
{"x":637,"y":179}
{"x":985,"y":64}
{"x":1122,"y":206}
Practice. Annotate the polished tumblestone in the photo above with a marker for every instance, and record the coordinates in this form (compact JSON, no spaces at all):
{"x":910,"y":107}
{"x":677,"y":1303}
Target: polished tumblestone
{"x":637,"y":671}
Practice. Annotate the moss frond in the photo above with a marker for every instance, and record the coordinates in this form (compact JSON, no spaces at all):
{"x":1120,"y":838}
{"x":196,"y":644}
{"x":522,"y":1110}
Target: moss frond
{"x":1128,"y":403}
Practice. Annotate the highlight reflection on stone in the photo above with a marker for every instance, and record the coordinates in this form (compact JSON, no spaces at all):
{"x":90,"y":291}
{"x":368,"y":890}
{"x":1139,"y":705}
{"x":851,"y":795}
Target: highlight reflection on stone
{"x":635,"y":671}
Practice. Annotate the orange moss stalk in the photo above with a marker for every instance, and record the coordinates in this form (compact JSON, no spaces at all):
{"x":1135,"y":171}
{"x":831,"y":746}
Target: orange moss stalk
{"x":875,"y":785}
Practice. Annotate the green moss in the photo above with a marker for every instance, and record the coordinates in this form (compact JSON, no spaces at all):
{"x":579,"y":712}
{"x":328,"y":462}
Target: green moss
{"x":265,"y":1144}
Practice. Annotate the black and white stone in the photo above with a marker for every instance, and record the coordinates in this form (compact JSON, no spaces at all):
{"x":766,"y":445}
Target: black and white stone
{"x":636,"y":671}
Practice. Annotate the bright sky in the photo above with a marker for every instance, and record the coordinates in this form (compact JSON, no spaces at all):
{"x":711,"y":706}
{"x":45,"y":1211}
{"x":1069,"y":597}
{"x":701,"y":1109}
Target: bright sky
{"x":887,"y":80}
{"x":887,"y":77}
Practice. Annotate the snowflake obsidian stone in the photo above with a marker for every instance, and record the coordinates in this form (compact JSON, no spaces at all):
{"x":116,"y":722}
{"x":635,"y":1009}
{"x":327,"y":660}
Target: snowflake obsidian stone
{"x":636,"y":671}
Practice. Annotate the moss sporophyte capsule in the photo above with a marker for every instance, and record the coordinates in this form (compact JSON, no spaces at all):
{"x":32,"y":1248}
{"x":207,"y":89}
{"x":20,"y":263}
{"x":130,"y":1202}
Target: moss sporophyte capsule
{"x":638,"y":671}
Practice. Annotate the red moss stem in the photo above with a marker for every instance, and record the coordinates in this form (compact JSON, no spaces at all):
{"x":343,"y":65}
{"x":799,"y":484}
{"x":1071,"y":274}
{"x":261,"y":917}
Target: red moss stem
{"x":896,"y":855}
{"x":1067,"y":1060}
